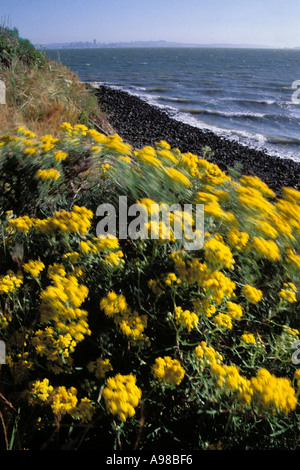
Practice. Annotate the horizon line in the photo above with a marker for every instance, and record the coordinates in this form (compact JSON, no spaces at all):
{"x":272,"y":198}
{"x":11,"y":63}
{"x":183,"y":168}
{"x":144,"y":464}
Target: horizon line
{"x":146,"y":43}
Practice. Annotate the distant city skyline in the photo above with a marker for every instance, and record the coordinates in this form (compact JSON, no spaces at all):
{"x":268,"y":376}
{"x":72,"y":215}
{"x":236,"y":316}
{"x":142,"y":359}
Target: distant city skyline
{"x":272,"y":23}
{"x":159,"y":43}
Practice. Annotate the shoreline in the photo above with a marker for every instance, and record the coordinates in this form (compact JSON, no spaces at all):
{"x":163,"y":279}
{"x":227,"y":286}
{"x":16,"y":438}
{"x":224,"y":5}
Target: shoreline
{"x":140,"y":124}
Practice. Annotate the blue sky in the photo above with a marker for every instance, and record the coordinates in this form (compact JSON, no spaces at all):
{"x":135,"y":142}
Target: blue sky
{"x":266,"y":22}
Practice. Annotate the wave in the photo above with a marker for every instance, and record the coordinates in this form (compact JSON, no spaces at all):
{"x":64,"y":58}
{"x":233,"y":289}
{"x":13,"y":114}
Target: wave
{"x":283,"y":140}
{"x":253,"y":101}
{"x":157,"y":89}
{"x":175,"y":100}
{"x":214,"y":112}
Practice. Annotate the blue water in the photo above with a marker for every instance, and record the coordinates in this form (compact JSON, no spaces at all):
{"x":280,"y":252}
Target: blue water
{"x":242,"y":94}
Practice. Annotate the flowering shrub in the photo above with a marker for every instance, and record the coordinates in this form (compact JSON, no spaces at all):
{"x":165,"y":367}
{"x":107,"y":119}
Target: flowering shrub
{"x":141,"y":343}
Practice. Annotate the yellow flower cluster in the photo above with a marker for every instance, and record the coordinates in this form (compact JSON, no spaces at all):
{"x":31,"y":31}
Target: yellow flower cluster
{"x":288,"y":292}
{"x":115,"y":143}
{"x":100,"y":367}
{"x":185,"y":318}
{"x":109,"y":245}
{"x":234,"y":311}
{"x":130,"y":322}
{"x":273,"y":393}
{"x":293,"y":258}
{"x":40,"y":390}
{"x":34,"y":268}
{"x":216,"y":285}
{"x":59,"y":306}
{"x":48,"y":143}
{"x":50,"y":174}
{"x":248,"y":338}
{"x":148,"y":156}
{"x":223,"y":320}
{"x":10,"y":282}
{"x":178,"y":177}
{"x":265,"y":390}
{"x":266,"y":248}
{"x":78,"y":220}
{"x":55,"y":347}
{"x":236,"y":239}
{"x":297,"y":377}
{"x":210,"y":174}
{"x":60,"y":155}
{"x":21,"y":224}
{"x":252,"y":294}
{"x":122,"y":396}
{"x":62,"y":400}
{"x":168,"y":370}
{"x":255,"y":182}
{"x":217,"y":253}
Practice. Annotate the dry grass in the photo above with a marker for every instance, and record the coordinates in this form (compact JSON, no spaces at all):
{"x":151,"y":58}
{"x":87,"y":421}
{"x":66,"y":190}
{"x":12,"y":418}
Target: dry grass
{"x":42,"y":98}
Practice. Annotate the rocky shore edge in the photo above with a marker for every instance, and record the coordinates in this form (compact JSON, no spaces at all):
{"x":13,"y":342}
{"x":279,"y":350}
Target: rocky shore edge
{"x":140,"y":124}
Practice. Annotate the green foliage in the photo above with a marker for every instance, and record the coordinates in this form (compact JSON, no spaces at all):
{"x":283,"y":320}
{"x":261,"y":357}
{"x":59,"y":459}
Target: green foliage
{"x":12,"y":46}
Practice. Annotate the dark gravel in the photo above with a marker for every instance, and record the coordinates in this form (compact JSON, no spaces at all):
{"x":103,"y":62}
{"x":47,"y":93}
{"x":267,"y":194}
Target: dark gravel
{"x":139,"y":124}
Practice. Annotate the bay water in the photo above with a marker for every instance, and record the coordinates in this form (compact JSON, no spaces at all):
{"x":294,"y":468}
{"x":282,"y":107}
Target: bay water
{"x":248,"y":95}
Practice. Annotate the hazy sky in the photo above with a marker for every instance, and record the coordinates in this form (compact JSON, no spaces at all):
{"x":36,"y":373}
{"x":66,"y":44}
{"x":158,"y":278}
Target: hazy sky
{"x":267,"y":22}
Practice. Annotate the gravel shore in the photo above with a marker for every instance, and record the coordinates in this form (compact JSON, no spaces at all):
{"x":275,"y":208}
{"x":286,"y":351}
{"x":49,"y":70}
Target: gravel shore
{"x":139,"y":124}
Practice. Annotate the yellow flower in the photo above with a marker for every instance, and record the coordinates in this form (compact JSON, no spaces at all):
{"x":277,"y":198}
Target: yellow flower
{"x":84,"y":411}
{"x":133,"y":325}
{"x":50,"y":174}
{"x":272,"y":393}
{"x":64,"y":400}
{"x":187,"y":319}
{"x":222,"y":319}
{"x":60,"y":155}
{"x":217,"y":253}
{"x":148,"y":156}
{"x":122,"y":396}
{"x":237,"y":239}
{"x":291,"y":195}
{"x":255,"y":182}
{"x":29,"y":151}
{"x":248,"y":338}
{"x":113,"y":304}
{"x":116,"y":144}
{"x":234,"y":310}
{"x":100,"y":367}
{"x":168,"y":370}
{"x":252,"y":294}
{"x":266,"y":248}
{"x":34,"y":267}
{"x":40,"y":390}
{"x":163,"y":144}
{"x":288,"y":292}
{"x":10,"y":282}
{"x":22,"y":224}
{"x":167,"y":155}
{"x":178,"y":177}
{"x":204,"y":307}
{"x":293,"y":258}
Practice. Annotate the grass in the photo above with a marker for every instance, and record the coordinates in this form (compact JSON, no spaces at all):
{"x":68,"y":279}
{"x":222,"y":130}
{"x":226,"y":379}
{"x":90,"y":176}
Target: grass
{"x":43,"y":97}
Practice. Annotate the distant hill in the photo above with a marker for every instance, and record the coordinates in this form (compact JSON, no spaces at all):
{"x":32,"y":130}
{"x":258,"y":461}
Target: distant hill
{"x":95,"y":45}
